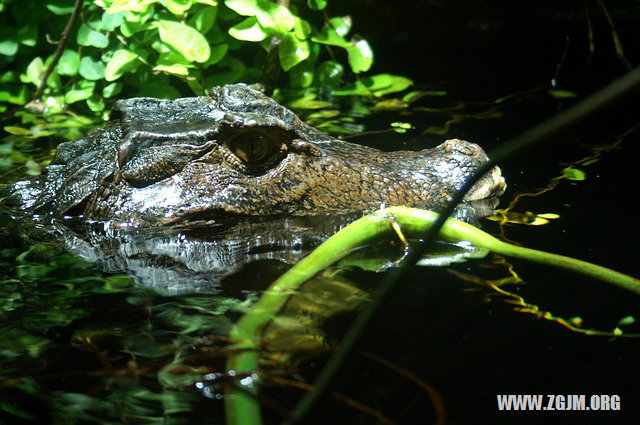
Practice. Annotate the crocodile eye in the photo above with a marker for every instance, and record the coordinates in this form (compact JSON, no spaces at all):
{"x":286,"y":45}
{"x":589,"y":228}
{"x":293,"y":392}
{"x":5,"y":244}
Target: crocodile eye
{"x":252,"y":148}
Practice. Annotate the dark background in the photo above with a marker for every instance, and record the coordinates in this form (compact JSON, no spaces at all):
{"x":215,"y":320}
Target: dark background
{"x":438,"y":328}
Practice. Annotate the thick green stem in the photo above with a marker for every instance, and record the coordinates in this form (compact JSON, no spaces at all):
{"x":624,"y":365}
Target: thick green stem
{"x":241,"y":405}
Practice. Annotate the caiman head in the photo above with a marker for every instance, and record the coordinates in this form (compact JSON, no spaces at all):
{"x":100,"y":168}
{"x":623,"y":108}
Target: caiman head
{"x":161,"y":162}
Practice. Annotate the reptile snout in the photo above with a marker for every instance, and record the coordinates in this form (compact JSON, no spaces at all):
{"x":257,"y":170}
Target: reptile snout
{"x":490,"y":185}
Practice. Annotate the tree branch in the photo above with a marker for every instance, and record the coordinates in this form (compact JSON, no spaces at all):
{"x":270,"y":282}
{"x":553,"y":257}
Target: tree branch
{"x":61,"y":44}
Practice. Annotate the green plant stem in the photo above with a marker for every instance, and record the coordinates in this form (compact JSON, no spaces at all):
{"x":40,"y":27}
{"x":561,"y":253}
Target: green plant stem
{"x":241,"y":405}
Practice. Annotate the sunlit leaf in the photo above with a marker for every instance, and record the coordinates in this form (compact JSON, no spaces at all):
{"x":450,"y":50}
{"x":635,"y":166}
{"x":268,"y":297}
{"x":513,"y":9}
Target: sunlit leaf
{"x":177,"y":7}
{"x":91,"y":69}
{"x":331,"y":37}
{"x":90,"y":37}
{"x":186,"y":40}
{"x":292,"y":51}
{"x":275,"y":16}
{"x":129,"y":5}
{"x":571,"y":173}
{"x":35,"y":70}
{"x":248,"y":30}
{"x":111,"y":21}
{"x":341,"y":25}
{"x":360,"y":56}
{"x":397,"y":84}
{"x":242,"y":7}
{"x":172,"y":69}
{"x":301,"y":28}
{"x":122,"y":61}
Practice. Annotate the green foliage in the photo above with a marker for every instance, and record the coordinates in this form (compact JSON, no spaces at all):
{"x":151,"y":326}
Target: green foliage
{"x":166,"y":48}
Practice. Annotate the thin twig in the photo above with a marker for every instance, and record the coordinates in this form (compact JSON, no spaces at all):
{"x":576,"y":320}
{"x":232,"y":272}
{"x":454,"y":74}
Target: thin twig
{"x":63,"y":41}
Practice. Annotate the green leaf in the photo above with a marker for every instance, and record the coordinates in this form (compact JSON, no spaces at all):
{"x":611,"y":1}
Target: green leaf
{"x":396,"y":83}
{"x":83,"y":92}
{"x":35,"y":70}
{"x":186,"y":40}
{"x":269,"y":14}
{"x":218,"y":51}
{"x":91,"y":69}
{"x":275,"y":16}
{"x":292,"y":51}
{"x":28,"y":35}
{"x":571,"y":173}
{"x":95,"y":103}
{"x":111,"y":90}
{"x":60,"y":7}
{"x":8,"y":41}
{"x":341,"y":25}
{"x":301,"y":29}
{"x":204,"y":19}
{"x":375,"y":85}
{"x":130,"y":28}
{"x":331,"y":37}
{"x":90,"y":37}
{"x":177,"y":7}
{"x":301,"y":75}
{"x":360,"y":56}
{"x":317,"y":4}
{"x":562,"y":94}
{"x":111,"y":21}
{"x":179,"y":70}
{"x":123,"y":60}
{"x":18,"y":131}
{"x":129,"y":5}
{"x":626,"y":321}
{"x":69,"y":63}
{"x":248,"y":30}
{"x":329,"y":74}
{"x":242,"y":7}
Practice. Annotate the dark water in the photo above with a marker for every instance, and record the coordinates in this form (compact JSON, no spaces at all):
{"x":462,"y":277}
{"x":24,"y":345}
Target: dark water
{"x":81,"y":346}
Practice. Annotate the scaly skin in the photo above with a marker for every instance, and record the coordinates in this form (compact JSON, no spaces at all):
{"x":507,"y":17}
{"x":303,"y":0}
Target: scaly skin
{"x":161,"y":162}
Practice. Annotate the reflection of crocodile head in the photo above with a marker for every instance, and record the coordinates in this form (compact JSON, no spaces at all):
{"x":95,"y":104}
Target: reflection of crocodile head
{"x":235,"y":256}
{"x":162,"y":162}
